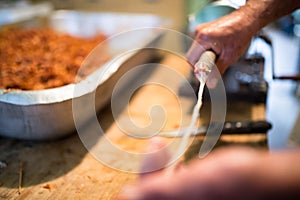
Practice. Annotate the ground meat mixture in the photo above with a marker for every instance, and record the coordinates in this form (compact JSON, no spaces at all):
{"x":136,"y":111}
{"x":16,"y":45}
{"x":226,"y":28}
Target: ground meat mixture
{"x":33,"y":59}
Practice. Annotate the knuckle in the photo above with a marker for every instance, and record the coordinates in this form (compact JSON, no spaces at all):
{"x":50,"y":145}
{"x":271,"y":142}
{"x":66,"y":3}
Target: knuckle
{"x":202,"y":33}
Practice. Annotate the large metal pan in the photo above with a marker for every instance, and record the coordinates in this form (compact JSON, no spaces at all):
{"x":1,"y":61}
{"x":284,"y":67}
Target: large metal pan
{"x":47,"y":114}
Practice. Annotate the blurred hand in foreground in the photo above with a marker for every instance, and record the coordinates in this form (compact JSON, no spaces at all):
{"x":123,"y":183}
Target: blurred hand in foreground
{"x":229,"y":173}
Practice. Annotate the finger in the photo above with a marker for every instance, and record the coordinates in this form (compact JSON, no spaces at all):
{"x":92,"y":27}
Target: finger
{"x":156,"y":158}
{"x":160,"y":186}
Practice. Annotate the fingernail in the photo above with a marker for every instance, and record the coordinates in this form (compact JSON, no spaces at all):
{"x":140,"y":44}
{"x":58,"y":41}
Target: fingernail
{"x":155,"y":144}
{"x":129,"y":193}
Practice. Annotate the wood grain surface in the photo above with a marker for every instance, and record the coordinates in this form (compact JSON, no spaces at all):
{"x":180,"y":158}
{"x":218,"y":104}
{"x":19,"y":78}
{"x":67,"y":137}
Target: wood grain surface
{"x":65,"y":169}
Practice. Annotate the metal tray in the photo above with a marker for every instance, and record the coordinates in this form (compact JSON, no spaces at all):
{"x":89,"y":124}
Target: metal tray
{"x":47,"y":114}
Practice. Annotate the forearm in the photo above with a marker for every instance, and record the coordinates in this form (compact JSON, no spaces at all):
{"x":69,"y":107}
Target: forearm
{"x":260,"y":13}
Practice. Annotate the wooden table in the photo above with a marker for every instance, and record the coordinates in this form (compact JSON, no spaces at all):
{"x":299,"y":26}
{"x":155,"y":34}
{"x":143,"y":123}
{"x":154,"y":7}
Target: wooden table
{"x":64,"y":169}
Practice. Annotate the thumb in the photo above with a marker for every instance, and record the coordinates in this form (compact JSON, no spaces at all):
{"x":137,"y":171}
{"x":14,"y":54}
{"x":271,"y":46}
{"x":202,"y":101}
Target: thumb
{"x":213,"y":78}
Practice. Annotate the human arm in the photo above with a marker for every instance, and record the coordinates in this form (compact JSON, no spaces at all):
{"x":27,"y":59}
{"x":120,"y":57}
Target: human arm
{"x":229,"y":36}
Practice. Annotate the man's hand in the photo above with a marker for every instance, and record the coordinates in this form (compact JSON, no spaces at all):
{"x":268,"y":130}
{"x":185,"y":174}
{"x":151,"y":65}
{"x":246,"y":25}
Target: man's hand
{"x":225,"y":36}
{"x":227,"y":174}
{"x":229,"y":36}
